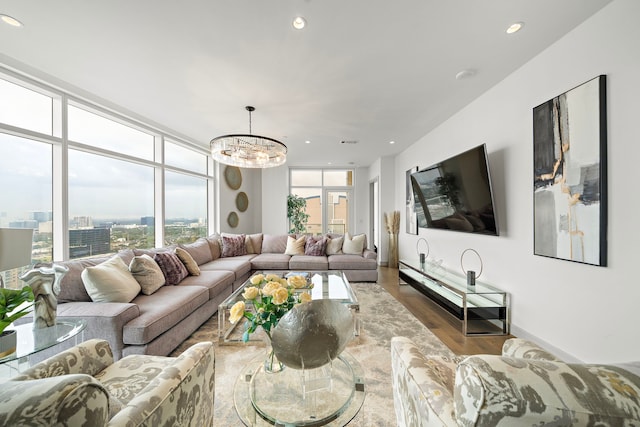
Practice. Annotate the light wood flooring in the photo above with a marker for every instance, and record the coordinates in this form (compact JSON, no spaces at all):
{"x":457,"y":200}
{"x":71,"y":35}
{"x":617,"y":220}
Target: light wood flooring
{"x":445,"y":326}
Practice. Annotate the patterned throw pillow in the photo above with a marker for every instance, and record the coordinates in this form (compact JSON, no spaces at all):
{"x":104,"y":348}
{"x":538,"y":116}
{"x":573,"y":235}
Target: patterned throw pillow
{"x":172,"y":268}
{"x":315,"y":246}
{"x":233,"y":245}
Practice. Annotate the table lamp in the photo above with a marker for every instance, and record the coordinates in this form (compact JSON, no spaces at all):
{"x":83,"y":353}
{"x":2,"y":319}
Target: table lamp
{"x":15,"y":248}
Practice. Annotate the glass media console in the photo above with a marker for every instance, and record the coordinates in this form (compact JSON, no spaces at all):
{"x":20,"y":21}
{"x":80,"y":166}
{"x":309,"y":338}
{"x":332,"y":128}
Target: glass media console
{"x":482,"y":308}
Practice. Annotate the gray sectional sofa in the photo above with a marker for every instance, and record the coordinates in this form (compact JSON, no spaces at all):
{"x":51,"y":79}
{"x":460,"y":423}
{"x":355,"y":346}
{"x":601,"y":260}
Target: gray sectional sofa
{"x":157,"y":323}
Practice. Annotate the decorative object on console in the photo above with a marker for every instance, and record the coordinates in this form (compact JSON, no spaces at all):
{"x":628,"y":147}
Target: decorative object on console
{"x":45,"y":283}
{"x":422,"y":255}
{"x":412,"y":218}
{"x":471,"y":274}
{"x":247,"y":150}
{"x":570,"y":162}
{"x":15,"y":249}
{"x":392,"y":223}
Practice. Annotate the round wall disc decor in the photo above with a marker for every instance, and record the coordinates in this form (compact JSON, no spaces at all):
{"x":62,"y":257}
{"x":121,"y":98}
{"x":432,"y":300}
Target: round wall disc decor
{"x":242,"y":201}
{"x":233,"y":176}
{"x":232,"y":220}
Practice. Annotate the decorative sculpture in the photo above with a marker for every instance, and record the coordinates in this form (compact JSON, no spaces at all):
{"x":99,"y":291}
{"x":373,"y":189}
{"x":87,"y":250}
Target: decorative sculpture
{"x":312,"y":334}
{"x":45,"y":282}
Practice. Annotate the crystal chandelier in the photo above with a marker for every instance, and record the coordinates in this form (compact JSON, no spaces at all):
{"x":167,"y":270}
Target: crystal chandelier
{"x":248,"y":151}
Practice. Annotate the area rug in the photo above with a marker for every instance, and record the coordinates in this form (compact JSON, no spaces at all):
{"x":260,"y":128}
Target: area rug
{"x":382,"y":317}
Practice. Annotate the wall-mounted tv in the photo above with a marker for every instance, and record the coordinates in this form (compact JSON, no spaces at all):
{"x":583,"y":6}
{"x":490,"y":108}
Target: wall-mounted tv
{"x":455,"y":194}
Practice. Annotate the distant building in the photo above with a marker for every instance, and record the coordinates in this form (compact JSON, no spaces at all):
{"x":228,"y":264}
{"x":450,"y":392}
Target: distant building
{"x":81,"y":222}
{"x":89,"y":242}
{"x":149,"y":221}
{"x":41,"y":216}
{"x":24,"y":223}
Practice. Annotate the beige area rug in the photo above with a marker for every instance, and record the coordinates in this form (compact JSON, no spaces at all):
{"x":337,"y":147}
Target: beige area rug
{"x":382,"y":317}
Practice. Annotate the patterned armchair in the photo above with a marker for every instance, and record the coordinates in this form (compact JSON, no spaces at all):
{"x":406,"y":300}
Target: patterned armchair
{"x":525,"y":386}
{"x":83,"y":386}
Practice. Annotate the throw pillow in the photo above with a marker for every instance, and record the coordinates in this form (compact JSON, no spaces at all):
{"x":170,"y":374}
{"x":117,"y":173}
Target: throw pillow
{"x":199,"y":251}
{"x":353,"y":245}
{"x":334,"y":245}
{"x":110,"y":281}
{"x":188,"y":261}
{"x":274,"y":244}
{"x":315,"y":246}
{"x":214,"y":246}
{"x":172,"y":268}
{"x":254,"y":243}
{"x":295,"y":246}
{"x":233,"y":245}
{"x":147,"y":273}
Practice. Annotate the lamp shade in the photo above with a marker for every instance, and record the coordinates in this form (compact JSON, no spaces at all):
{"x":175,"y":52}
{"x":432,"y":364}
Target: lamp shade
{"x":15,"y":247}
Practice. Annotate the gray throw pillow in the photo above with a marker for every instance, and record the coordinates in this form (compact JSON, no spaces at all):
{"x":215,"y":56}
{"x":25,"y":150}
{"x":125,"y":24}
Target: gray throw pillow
{"x":147,"y":273}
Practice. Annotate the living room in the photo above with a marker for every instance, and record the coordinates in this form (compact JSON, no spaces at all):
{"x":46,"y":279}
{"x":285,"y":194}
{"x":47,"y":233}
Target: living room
{"x":580,"y":312}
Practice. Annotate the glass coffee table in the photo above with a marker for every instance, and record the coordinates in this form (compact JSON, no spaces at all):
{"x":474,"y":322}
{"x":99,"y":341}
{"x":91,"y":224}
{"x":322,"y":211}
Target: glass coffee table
{"x":331,"y":395}
{"x":326,"y":285}
{"x":31,"y":341}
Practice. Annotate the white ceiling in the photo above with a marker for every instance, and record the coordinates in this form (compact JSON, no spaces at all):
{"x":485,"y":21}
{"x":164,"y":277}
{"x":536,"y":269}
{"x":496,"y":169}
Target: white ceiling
{"x":372,"y":71}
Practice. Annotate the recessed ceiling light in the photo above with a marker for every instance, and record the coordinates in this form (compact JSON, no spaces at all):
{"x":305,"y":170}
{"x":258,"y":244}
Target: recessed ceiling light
{"x":307,"y":142}
{"x":392,"y":142}
{"x":465,"y":74}
{"x":10,"y":20}
{"x":299,"y":22}
{"x":515,"y":27}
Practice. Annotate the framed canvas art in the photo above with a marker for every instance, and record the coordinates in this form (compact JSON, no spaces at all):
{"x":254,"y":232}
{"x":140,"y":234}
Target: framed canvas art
{"x":412,"y":218}
{"x":570,"y":158}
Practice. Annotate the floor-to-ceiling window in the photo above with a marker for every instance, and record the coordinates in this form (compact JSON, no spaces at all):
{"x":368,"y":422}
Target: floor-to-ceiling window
{"x":90,"y":181}
{"x":329,"y":196}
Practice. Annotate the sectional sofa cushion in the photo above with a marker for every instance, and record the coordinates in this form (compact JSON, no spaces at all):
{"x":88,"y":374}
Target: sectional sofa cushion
{"x":308,"y":262}
{"x":274,"y":244}
{"x":110,"y":281}
{"x":188,"y":261}
{"x":162,"y":311}
{"x":199,"y":251}
{"x":172,"y":268}
{"x":353,"y":245}
{"x":147,"y":273}
{"x":351,"y":262}
{"x":269,"y":261}
{"x":217,"y":282}
{"x":315,"y":246}
{"x":233,"y":245}
{"x":334,"y":245}
{"x":295,"y":246}
{"x":214,"y":246}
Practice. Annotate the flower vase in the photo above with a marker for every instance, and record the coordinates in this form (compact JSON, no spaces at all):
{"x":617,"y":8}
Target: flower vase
{"x":271,"y":364}
{"x":393,"y":250}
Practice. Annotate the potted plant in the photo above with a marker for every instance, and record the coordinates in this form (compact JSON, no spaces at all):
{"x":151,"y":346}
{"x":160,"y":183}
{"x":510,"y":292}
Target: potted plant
{"x":296,"y":213}
{"x":11,"y":301}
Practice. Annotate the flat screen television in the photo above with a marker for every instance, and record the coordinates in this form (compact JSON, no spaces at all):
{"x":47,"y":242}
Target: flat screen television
{"x":455,"y":194}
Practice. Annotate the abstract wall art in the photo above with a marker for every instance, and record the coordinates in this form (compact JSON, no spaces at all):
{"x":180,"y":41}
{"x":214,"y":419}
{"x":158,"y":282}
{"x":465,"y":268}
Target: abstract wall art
{"x":570,"y":159}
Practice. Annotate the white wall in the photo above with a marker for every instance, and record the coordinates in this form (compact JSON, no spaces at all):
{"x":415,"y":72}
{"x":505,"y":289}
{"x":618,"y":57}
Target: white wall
{"x":275,"y":188}
{"x":587,"y":312}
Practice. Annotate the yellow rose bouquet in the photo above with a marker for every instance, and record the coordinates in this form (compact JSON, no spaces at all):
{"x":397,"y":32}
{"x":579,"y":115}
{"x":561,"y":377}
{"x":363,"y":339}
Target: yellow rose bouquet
{"x":271,"y":297}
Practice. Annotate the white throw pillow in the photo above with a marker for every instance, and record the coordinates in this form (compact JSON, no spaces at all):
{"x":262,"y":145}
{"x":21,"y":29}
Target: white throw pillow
{"x":295,"y":246}
{"x":334,"y":245}
{"x":147,"y":273}
{"x":353,"y":245}
{"x":110,"y":281}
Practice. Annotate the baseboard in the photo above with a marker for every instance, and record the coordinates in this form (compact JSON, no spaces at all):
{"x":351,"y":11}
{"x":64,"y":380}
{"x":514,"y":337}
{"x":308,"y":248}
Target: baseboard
{"x":521,"y":333}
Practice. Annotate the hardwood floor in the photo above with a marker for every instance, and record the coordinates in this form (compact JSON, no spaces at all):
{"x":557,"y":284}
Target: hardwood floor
{"x":441,"y":323}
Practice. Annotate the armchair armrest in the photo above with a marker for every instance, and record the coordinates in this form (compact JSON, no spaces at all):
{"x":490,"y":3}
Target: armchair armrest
{"x":422,"y":386}
{"x":495,"y":390}
{"x":181,"y":394}
{"x":369,"y":254}
{"x":88,"y":357}
{"x":521,"y":348}
{"x":64,"y":400}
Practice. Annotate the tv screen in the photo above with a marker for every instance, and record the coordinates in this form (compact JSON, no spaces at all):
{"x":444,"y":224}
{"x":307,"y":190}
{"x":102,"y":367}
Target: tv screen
{"x":456,"y":194}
